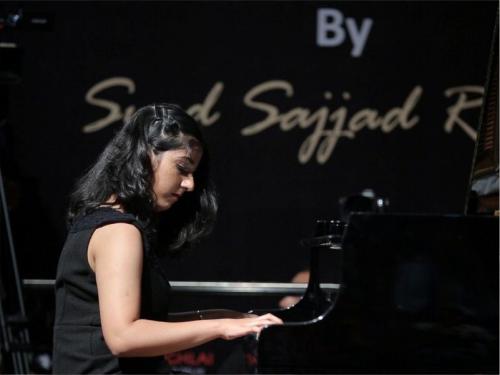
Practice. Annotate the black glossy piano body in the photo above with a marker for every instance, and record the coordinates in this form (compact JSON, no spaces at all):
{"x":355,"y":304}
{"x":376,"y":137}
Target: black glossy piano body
{"x":418,"y":294}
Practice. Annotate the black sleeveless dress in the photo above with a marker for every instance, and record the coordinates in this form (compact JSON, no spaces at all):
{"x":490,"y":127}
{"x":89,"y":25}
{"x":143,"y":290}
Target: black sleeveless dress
{"x":79,"y":346}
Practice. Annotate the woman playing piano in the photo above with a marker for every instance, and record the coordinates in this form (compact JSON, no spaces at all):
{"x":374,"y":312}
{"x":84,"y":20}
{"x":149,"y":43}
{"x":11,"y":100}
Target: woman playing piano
{"x":151,"y":181}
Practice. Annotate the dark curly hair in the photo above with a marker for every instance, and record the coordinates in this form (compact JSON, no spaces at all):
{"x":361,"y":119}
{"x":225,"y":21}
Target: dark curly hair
{"x":124,"y":171}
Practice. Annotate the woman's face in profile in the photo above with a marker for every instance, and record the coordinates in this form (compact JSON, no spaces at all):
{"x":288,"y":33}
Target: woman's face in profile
{"x":173,"y":174}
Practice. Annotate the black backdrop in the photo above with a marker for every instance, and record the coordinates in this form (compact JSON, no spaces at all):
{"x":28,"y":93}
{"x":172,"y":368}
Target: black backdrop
{"x":243,"y":61}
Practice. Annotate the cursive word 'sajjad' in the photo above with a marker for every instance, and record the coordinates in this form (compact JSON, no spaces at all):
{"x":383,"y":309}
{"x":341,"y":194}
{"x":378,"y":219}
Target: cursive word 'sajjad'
{"x":328,"y":126}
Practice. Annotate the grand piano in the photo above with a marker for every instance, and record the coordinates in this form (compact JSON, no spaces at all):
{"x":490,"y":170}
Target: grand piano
{"x":418,"y":293}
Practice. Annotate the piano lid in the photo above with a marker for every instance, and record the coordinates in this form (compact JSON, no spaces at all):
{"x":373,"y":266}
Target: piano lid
{"x":483,"y":181}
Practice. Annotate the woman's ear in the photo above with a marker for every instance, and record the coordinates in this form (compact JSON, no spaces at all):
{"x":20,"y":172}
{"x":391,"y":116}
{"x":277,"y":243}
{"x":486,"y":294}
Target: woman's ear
{"x":155,"y":159}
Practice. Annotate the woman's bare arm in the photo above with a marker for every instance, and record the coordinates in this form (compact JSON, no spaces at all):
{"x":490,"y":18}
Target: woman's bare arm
{"x":116,"y":256}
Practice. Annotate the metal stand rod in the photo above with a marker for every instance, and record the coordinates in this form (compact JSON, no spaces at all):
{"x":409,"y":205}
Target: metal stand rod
{"x":20,"y":358}
{"x":5,"y":212}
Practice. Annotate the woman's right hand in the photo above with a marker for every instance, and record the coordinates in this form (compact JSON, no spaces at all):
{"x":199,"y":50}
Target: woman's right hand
{"x":234,"y":328}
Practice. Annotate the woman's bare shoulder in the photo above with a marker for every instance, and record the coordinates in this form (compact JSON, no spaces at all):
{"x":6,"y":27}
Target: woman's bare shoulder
{"x":117,"y":233}
{"x":114,"y":238}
